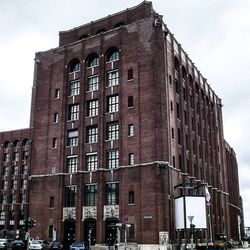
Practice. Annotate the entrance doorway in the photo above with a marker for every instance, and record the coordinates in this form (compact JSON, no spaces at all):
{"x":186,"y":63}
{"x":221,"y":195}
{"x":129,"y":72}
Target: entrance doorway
{"x":110,"y":231}
{"x":90,"y":231}
{"x":69,"y":232}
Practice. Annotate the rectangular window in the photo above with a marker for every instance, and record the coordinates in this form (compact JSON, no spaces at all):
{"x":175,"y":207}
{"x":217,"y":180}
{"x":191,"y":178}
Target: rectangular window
{"x":3,"y":199}
{"x":71,"y":162}
{"x":73,"y":112}
{"x":74,"y":88}
{"x":92,"y":108}
{"x":13,"y":198}
{"x":112,"y":131}
{"x":112,"y":194}
{"x":91,"y":161}
{"x":91,"y":195}
{"x":112,"y":158}
{"x":72,"y":139}
{"x":57,"y":94}
{"x":131,"y":231}
{"x":131,"y":130}
{"x":93,"y":82}
{"x":2,"y":215}
{"x":51,"y":202}
{"x":5,"y":171}
{"x":24,"y":184}
{"x":130,"y":101}
{"x":113,"y":103}
{"x":23,"y":198}
{"x":16,"y":156}
{"x":25,"y":155}
{"x":130,"y":74}
{"x":5,"y":185}
{"x":113,"y":78}
{"x":15,"y":170}
{"x":131,"y":159}
{"x":92,"y":134}
{"x":24,"y":169}
{"x":14,"y":184}
{"x":6,"y":157}
{"x":70,"y":196}
{"x":54,"y":143}
{"x":55,"y":117}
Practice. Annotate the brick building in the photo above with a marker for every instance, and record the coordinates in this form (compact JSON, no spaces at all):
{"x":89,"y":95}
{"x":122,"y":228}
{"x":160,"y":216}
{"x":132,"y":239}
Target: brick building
{"x":120,"y":117}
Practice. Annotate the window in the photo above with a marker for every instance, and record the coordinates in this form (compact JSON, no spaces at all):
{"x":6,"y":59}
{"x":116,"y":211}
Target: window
{"x":5,"y":185}
{"x":51,"y":231}
{"x":113,"y":55}
{"x":6,"y":144}
{"x":92,"y":134}
{"x":112,"y":158}
{"x":113,"y":103}
{"x":130,"y":101}
{"x":57,"y":94}
{"x":72,"y":139}
{"x":70,"y":196}
{"x":15,"y":170}
{"x":6,"y":157}
{"x":93,"y":82}
{"x":2,"y":215}
{"x":74,"y":88}
{"x":91,"y":195}
{"x":131,"y":197}
{"x":71,"y":162}
{"x":5,"y":171}
{"x":112,"y":131}
{"x":24,"y":169}
{"x":130,"y":74}
{"x":93,"y":61}
{"x":16,"y":156}
{"x":131,"y":231}
{"x":171,"y":106}
{"x":131,"y":130}
{"x":3,"y":199}
{"x":54,"y":142}
{"x":113,"y":78}
{"x":52,"y":201}
{"x":73,"y":112}
{"x":92,"y":108}
{"x":24,"y":184}
{"x":131,"y":159}
{"x":55,"y":117}
{"x":13,"y":198}
{"x":25,"y":155}
{"x":14,"y":184}
{"x":91,"y":161}
{"x":112,"y":193}
{"x":23,"y":198}
{"x":172,"y":133}
{"x":74,"y":66}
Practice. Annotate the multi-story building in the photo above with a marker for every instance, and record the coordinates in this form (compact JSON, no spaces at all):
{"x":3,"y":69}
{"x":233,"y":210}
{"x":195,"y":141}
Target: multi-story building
{"x":121,"y":118}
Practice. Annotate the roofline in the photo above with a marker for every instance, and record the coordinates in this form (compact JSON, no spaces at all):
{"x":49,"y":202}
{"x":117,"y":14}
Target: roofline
{"x":109,"y":16}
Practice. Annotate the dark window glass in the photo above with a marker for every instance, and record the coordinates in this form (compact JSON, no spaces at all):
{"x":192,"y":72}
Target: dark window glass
{"x":112,"y":194}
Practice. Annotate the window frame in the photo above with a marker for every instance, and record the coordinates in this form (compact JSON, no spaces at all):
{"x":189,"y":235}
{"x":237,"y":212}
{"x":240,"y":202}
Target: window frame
{"x":72,"y":163}
{"x":112,"y":158}
{"x":91,"y":160}
{"x":113,"y":103}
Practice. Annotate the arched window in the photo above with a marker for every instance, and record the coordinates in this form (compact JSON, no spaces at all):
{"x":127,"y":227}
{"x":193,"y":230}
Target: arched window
{"x":83,"y":36}
{"x":113,"y":55}
{"x":131,"y":197}
{"x":100,"y":31}
{"x":15,"y":144}
{"x":93,"y":61}
{"x":119,"y":25}
{"x":6,"y":144}
{"x":25,"y":142}
{"x":74,"y":66}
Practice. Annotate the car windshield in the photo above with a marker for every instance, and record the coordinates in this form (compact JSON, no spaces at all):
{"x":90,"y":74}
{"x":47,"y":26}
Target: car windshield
{"x":77,"y":244}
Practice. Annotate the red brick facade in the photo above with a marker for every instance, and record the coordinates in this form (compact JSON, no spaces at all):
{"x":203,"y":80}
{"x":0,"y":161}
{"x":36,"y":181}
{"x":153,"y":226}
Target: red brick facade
{"x":120,"y":104}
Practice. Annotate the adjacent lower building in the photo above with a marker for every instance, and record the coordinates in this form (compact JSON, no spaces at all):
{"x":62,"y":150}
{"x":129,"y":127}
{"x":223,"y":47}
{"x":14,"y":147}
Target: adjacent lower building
{"x":122,"y":123}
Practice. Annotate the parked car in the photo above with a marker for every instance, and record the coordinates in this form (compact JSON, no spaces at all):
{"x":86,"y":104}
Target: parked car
{"x":17,"y":245}
{"x":55,"y":245}
{"x":38,"y":245}
{"x":4,"y":243}
{"x":79,"y":246}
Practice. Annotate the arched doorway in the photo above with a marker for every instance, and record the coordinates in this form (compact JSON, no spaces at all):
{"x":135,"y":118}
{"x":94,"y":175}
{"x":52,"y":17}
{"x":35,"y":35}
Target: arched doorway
{"x":110,"y":231}
{"x":69,"y":232}
{"x":90,"y":231}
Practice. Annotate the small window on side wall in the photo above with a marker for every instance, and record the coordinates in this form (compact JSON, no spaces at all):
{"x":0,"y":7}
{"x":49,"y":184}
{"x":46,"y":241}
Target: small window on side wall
{"x":130,"y":74}
{"x":130,"y":101}
{"x":131,"y":198}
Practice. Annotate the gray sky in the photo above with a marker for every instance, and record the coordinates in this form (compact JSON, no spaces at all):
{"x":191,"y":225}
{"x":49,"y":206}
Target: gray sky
{"x":215,"y":34}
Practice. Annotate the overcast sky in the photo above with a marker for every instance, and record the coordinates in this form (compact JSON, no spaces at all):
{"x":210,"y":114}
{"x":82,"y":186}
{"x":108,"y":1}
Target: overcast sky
{"x":215,"y":34}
